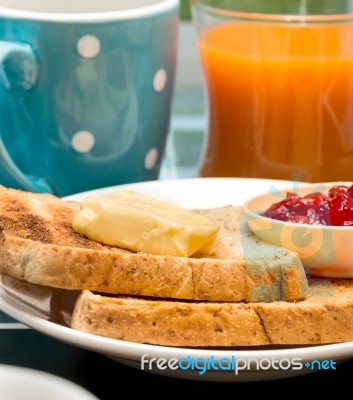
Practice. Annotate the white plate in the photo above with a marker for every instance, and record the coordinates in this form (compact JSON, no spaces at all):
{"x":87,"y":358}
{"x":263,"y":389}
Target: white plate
{"x":48,"y":310}
{"x":19,"y":383}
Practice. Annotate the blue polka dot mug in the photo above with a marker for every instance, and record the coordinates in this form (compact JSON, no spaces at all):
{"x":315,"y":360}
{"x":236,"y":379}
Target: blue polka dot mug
{"x":85,"y":92}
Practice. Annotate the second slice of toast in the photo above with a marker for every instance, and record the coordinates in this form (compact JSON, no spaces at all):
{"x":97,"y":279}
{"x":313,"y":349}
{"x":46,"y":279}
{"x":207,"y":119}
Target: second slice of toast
{"x":325,"y":316}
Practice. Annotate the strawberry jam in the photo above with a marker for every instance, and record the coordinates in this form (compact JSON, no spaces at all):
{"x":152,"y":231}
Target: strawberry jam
{"x":334,"y":209}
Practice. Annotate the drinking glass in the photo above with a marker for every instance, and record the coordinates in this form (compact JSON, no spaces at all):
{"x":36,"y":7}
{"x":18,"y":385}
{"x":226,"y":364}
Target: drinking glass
{"x":279,"y":86}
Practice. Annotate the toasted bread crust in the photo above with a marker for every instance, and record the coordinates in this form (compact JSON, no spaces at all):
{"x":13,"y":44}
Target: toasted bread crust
{"x":122,"y":272}
{"x":325,"y":316}
{"x":38,"y":244}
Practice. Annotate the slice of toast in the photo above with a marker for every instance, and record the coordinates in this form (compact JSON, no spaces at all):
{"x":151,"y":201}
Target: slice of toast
{"x":39,"y":245}
{"x":325,"y":316}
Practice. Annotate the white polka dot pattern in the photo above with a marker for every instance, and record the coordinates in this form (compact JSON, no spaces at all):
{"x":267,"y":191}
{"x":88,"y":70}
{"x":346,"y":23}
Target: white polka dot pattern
{"x":88,"y":46}
{"x":160,"y":80}
{"x":83,"y":141}
{"x":151,"y":158}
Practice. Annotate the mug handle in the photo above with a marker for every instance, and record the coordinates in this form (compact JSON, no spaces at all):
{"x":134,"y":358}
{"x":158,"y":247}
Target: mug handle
{"x":19,"y":70}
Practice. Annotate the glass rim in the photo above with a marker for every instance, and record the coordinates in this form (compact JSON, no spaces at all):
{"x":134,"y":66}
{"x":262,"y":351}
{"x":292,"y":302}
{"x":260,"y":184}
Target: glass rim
{"x":271,"y":17}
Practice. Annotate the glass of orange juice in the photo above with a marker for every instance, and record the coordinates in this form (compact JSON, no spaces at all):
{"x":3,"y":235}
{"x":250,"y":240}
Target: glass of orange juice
{"x":279,"y":87}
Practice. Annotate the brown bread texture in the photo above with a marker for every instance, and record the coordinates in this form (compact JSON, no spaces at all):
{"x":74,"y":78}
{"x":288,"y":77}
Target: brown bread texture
{"x":39,"y":245}
{"x":325,"y":316}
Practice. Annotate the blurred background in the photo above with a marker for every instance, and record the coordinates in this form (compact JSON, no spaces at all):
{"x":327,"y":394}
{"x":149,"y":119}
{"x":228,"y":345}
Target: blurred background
{"x":188,"y":118}
{"x":185,"y":13}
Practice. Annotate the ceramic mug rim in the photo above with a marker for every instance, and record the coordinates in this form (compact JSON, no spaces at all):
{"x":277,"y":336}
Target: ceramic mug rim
{"x":137,"y":12}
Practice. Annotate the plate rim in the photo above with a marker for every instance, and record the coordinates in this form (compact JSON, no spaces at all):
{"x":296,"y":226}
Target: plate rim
{"x":113,"y":347}
{"x":133,"y":351}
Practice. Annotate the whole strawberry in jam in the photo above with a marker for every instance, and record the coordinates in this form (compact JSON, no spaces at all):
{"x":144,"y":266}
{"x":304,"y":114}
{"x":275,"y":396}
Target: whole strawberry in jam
{"x":341,"y":212}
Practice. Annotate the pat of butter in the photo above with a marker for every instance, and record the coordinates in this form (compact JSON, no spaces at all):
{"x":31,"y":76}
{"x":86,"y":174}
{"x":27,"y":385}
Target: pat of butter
{"x":139,"y":223}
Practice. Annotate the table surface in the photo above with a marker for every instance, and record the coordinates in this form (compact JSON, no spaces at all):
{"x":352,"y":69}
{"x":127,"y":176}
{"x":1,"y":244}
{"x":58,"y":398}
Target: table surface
{"x":108,"y":379}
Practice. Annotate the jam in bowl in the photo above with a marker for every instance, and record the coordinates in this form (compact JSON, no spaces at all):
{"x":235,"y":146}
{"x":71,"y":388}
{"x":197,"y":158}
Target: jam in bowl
{"x":316,"y":208}
{"x":313,"y":220}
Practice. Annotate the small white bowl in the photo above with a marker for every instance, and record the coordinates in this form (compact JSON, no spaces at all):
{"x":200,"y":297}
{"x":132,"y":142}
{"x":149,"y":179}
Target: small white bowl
{"x":325,"y":251}
{"x":19,"y":383}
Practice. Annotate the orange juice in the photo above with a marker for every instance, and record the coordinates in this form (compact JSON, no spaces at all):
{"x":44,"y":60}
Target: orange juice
{"x":280,"y":100}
